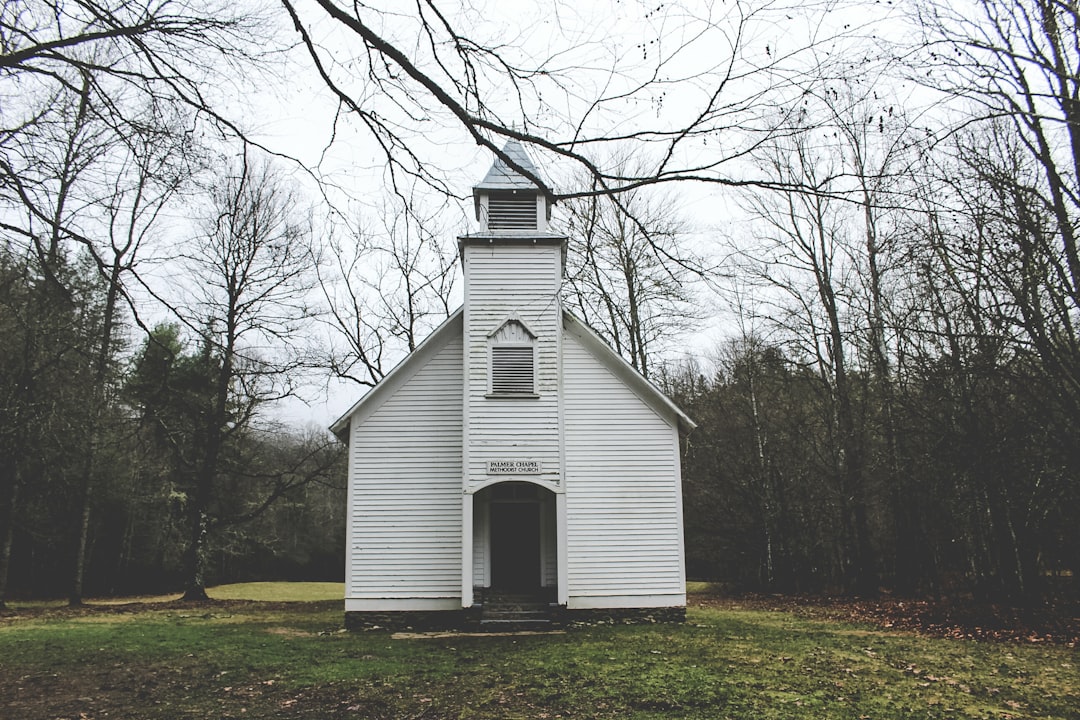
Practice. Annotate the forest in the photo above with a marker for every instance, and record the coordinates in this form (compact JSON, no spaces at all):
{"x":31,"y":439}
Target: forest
{"x":842,"y":236}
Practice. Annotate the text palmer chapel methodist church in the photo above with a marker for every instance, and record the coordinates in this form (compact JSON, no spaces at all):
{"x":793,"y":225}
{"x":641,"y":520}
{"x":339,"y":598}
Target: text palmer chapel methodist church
{"x":513,"y":463}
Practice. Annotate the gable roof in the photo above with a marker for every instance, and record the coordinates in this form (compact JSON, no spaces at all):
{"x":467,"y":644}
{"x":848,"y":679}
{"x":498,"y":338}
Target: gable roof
{"x":453,"y":327}
{"x":618,"y":366}
{"x":405,"y":369}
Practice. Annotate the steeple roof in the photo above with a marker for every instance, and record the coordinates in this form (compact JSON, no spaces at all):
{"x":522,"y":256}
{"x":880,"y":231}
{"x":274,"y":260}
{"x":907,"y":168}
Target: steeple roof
{"x":502,"y":177}
{"x":508,"y":204}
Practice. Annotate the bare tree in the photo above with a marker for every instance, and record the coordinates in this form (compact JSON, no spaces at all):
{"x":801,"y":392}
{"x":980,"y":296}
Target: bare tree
{"x":802,"y":257}
{"x":698,"y":84}
{"x":252,"y":277}
{"x":95,"y":128}
{"x":389,"y":284}
{"x":869,"y":130}
{"x":746,"y":361}
{"x":76,"y":181}
{"x":628,"y":272}
{"x":1015,"y":65}
{"x":111,"y":61}
{"x":1003,"y":268}
{"x":148,"y":170}
{"x":985,"y":286}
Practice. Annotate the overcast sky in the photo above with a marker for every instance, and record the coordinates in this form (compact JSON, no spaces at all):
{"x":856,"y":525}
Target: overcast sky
{"x":596,"y":48}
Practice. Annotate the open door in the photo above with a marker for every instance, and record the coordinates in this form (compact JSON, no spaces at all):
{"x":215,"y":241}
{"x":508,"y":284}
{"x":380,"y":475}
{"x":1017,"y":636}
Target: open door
{"x":515,"y":546}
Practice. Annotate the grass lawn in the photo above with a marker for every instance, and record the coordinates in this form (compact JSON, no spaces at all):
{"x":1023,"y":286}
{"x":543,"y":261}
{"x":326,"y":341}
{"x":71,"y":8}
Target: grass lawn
{"x":262,"y":591}
{"x":271,"y":658}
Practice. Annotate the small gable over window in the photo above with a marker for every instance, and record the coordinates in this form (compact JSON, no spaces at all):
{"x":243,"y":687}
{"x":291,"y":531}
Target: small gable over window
{"x":513,"y":360}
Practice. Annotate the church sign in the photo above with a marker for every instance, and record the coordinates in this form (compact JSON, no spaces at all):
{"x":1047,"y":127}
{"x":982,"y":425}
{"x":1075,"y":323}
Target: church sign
{"x":513,"y":467}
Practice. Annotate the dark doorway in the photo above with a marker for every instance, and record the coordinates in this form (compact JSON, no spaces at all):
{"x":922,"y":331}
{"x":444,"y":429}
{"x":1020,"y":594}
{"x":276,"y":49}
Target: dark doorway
{"x":515,"y":546}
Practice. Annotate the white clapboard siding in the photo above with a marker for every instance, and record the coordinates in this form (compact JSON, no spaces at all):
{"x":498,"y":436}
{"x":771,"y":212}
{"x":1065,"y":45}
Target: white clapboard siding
{"x":548,"y":546}
{"x":505,"y":281}
{"x":405,"y":489}
{"x":623,"y":508}
{"x":481,"y":541}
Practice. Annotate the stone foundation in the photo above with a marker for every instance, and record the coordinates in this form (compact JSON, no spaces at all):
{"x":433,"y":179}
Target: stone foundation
{"x":421,"y":620}
{"x":621,"y":616}
{"x":469,"y":618}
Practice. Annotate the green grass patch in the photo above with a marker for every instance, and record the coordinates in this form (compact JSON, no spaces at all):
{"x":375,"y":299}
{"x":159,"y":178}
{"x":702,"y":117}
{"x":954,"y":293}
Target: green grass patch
{"x":698,"y":586}
{"x":279,"y":591}
{"x":38,"y":605}
{"x":257,"y":591}
{"x":291,"y":659}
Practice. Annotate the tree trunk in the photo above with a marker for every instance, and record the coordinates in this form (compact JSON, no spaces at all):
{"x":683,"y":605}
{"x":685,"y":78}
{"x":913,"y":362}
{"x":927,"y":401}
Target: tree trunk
{"x":98,"y":380}
{"x":8,"y":540}
{"x":75,"y":596}
{"x":852,"y":482}
{"x":195,"y":558}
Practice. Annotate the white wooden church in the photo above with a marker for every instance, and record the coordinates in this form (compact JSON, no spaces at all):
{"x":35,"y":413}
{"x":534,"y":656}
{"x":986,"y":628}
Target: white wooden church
{"x":513,"y":451}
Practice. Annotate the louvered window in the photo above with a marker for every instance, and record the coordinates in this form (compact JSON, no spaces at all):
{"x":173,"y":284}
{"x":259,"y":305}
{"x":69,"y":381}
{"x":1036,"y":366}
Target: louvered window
{"x":512,"y":370}
{"x":511,"y":211}
{"x":513,"y":360}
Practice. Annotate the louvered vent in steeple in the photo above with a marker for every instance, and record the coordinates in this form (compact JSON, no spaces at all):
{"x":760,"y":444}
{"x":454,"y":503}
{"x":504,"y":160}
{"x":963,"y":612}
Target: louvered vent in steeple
{"x":512,"y":370}
{"x":512,"y":211}
{"x":513,"y":360}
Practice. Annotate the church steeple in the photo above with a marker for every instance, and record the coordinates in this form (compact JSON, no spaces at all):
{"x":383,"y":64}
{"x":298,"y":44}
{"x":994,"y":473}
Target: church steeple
{"x":508,"y":202}
{"x":512,"y":332}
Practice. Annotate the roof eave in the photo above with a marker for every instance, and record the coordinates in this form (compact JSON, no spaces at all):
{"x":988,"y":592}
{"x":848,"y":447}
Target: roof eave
{"x":618,"y":364}
{"x":340,"y":427}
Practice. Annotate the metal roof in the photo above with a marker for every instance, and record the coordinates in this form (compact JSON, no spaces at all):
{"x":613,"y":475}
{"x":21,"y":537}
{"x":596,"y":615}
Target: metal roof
{"x":502,"y":177}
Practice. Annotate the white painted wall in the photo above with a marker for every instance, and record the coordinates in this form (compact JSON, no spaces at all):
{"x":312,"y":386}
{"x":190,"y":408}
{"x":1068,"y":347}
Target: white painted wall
{"x":512,"y":278}
{"x":481,"y":544}
{"x":608,"y":443}
{"x":549,"y":564}
{"x":623,"y":493}
{"x":404,"y":536}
